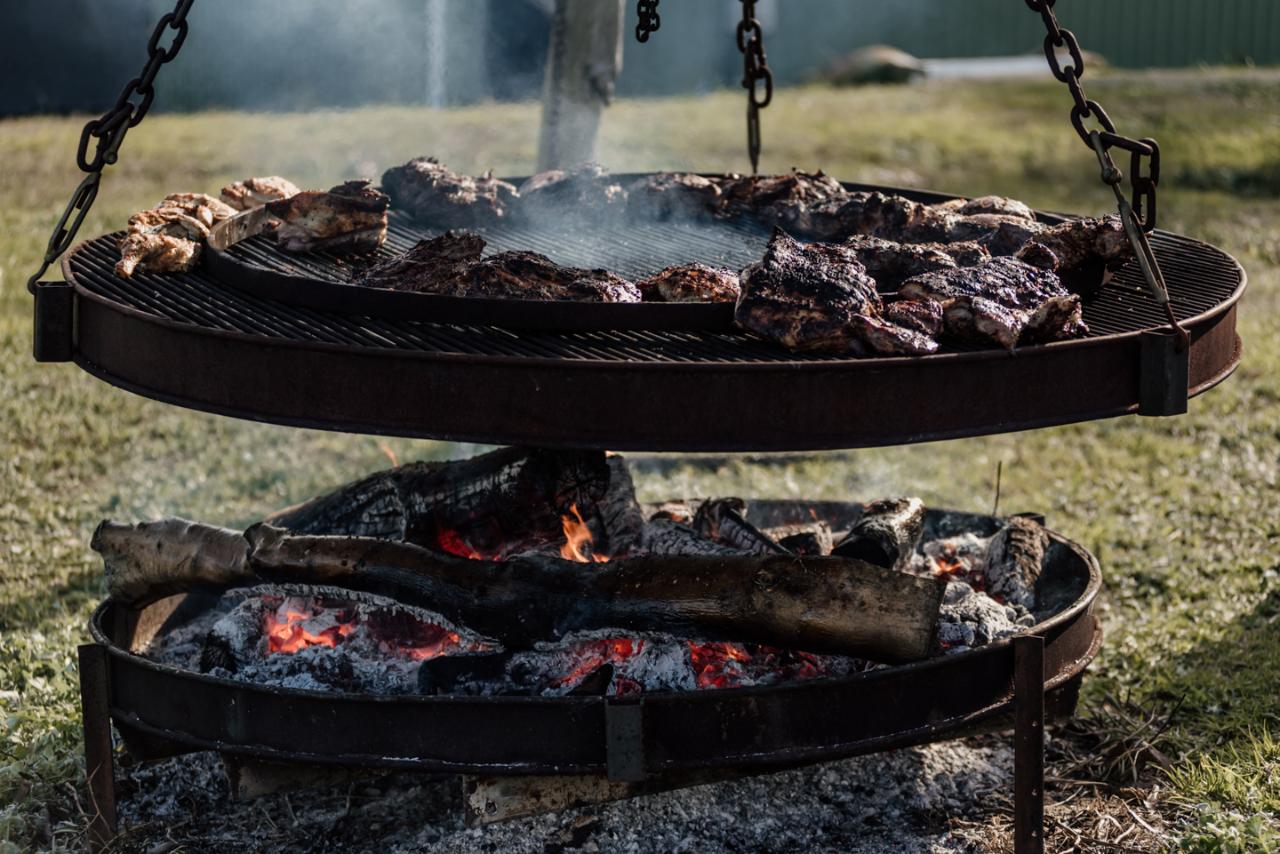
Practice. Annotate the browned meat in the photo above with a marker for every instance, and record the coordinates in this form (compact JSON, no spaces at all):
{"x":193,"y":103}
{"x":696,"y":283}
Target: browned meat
{"x":786,"y":200}
{"x":206,"y":209}
{"x":587,"y":191}
{"x":1073,"y":244}
{"x":890,"y":263}
{"x":154,"y":252}
{"x":1004,"y":301}
{"x":350,"y":218}
{"x":999,"y":205}
{"x":436,"y":194}
{"x":434,"y":266}
{"x":255,"y":192}
{"x":691,"y":283}
{"x":923,"y":316}
{"x":452,"y":265}
{"x":673,"y":195}
{"x":1010,"y":236}
{"x":819,"y":298}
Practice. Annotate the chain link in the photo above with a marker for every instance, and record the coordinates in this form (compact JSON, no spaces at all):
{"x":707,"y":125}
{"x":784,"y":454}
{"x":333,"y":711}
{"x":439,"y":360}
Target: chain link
{"x":757,"y":77}
{"x":650,"y":20}
{"x":107,"y":134}
{"x":1138,"y":212}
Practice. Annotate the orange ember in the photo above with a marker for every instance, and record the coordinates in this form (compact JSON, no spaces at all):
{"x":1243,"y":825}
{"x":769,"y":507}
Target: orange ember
{"x":451,"y":541}
{"x":578,"y":541}
{"x":445,"y":644}
{"x":715,"y":665}
{"x":287,"y":632}
{"x":596,"y":654}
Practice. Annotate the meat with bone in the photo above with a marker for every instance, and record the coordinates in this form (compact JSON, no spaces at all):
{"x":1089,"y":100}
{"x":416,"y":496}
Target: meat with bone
{"x":434,"y":193}
{"x":253,"y":193}
{"x":691,"y":283}
{"x":672,"y":195}
{"x":163,"y":240}
{"x":1005,"y":301}
{"x":350,"y":218}
{"x":452,"y":265}
{"x":587,"y":191}
{"x":1075,"y":243}
{"x":890,"y":263}
{"x":819,"y":298}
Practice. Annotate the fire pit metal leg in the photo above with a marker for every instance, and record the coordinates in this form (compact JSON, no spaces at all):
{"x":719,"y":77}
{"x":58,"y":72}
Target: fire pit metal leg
{"x":99,"y":761}
{"x":1028,"y":757}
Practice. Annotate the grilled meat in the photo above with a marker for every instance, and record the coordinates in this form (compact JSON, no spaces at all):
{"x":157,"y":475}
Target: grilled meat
{"x":820,"y":298}
{"x":206,"y":209}
{"x":922,"y":316}
{"x":434,"y":266}
{"x":1004,"y":301}
{"x":1010,"y":236}
{"x":795,"y":201}
{"x":452,"y":265}
{"x":587,"y":191}
{"x":1075,"y":243}
{"x":672,"y":195}
{"x":999,"y":205}
{"x":691,"y":283}
{"x":155,"y":252}
{"x":894,"y":218}
{"x":890,"y":263}
{"x":350,"y":218}
{"x":255,"y":192}
{"x":434,"y":193}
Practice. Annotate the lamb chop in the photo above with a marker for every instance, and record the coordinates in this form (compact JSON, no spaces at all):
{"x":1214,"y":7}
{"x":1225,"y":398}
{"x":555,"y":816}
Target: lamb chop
{"x":587,"y":191}
{"x":890,"y":263}
{"x":434,"y":193}
{"x":672,"y":195}
{"x":691,"y":283}
{"x":1005,"y":301}
{"x":819,"y":298}
{"x":350,"y":218}
{"x":434,"y":266}
{"x":253,"y":193}
{"x":452,"y":265}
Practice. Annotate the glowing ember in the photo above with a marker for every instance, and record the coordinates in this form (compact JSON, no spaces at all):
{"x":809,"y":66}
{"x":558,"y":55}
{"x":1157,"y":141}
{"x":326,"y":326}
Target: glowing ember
{"x":578,"y":542}
{"x":596,"y":654}
{"x":949,"y":565}
{"x":718,"y":665}
{"x":451,"y":542}
{"x":296,"y":625}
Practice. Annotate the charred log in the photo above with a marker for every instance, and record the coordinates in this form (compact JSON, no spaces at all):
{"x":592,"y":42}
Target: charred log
{"x":887,"y":534}
{"x":724,"y":520}
{"x":150,"y":560}
{"x":834,"y":605}
{"x":664,"y":536}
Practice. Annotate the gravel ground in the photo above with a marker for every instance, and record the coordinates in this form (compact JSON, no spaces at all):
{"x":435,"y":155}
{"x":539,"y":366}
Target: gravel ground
{"x":895,"y":802}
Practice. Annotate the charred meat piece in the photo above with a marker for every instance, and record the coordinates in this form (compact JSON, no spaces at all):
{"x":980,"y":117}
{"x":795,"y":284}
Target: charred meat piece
{"x":434,"y":266}
{"x":350,"y":218}
{"x":1076,"y":243}
{"x":155,"y":252}
{"x":890,"y":263}
{"x":255,"y":192}
{"x":672,"y":195}
{"x":434,"y":193}
{"x":1010,"y":236}
{"x":1004,"y":301}
{"x":528,"y":275}
{"x":922,"y":316}
{"x":784,"y":200}
{"x":988,"y":205}
{"x":587,"y":191}
{"x":819,"y":298}
{"x":691,"y":283}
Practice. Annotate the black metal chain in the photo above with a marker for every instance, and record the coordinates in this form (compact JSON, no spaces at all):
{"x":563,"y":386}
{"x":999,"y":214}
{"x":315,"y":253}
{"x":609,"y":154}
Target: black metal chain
{"x":650,"y":20}
{"x":1137,"y":213}
{"x":757,"y":77}
{"x":106,"y":134}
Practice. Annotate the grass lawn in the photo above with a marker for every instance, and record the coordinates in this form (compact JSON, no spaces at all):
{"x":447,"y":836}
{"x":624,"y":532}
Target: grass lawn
{"x":1184,"y":513}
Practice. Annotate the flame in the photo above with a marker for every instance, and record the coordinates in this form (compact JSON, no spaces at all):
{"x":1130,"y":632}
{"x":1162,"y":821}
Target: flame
{"x":390,"y":454}
{"x":578,"y":541}
{"x":950,"y":565}
{"x":445,"y":644}
{"x":287,"y":631}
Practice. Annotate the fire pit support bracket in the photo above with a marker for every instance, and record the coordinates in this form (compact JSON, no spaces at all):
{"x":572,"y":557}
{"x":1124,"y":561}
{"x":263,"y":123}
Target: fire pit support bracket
{"x":1028,"y":745}
{"x":99,"y":749}
{"x":53,"y":338}
{"x":1165,"y":375}
{"x":624,"y":742}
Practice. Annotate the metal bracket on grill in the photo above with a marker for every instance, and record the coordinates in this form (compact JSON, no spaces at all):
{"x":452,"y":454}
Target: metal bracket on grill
{"x":624,"y":741}
{"x":1165,"y":371}
{"x":53,"y":339}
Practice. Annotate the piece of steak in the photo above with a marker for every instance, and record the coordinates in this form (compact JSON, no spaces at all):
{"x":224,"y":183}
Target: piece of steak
{"x":691,"y":283}
{"x":433,"y":266}
{"x":528,"y":275}
{"x":788,"y":201}
{"x":434,"y":193}
{"x":1004,"y":301}
{"x":1078,"y":242}
{"x":586,"y":192}
{"x":819,"y":298}
{"x":672,"y":195}
{"x":999,"y":205}
{"x":923,"y":316}
{"x":350,"y":218}
{"x":890,"y":263}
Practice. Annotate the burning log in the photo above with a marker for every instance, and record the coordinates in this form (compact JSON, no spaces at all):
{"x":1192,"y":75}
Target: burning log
{"x":1014,"y":560}
{"x":813,"y":539}
{"x":831,"y":605}
{"x":887,"y":534}
{"x":724,"y":520}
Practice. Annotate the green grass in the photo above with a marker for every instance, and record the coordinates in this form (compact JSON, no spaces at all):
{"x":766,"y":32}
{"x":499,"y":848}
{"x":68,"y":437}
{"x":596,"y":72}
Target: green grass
{"x":1184,"y":513}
